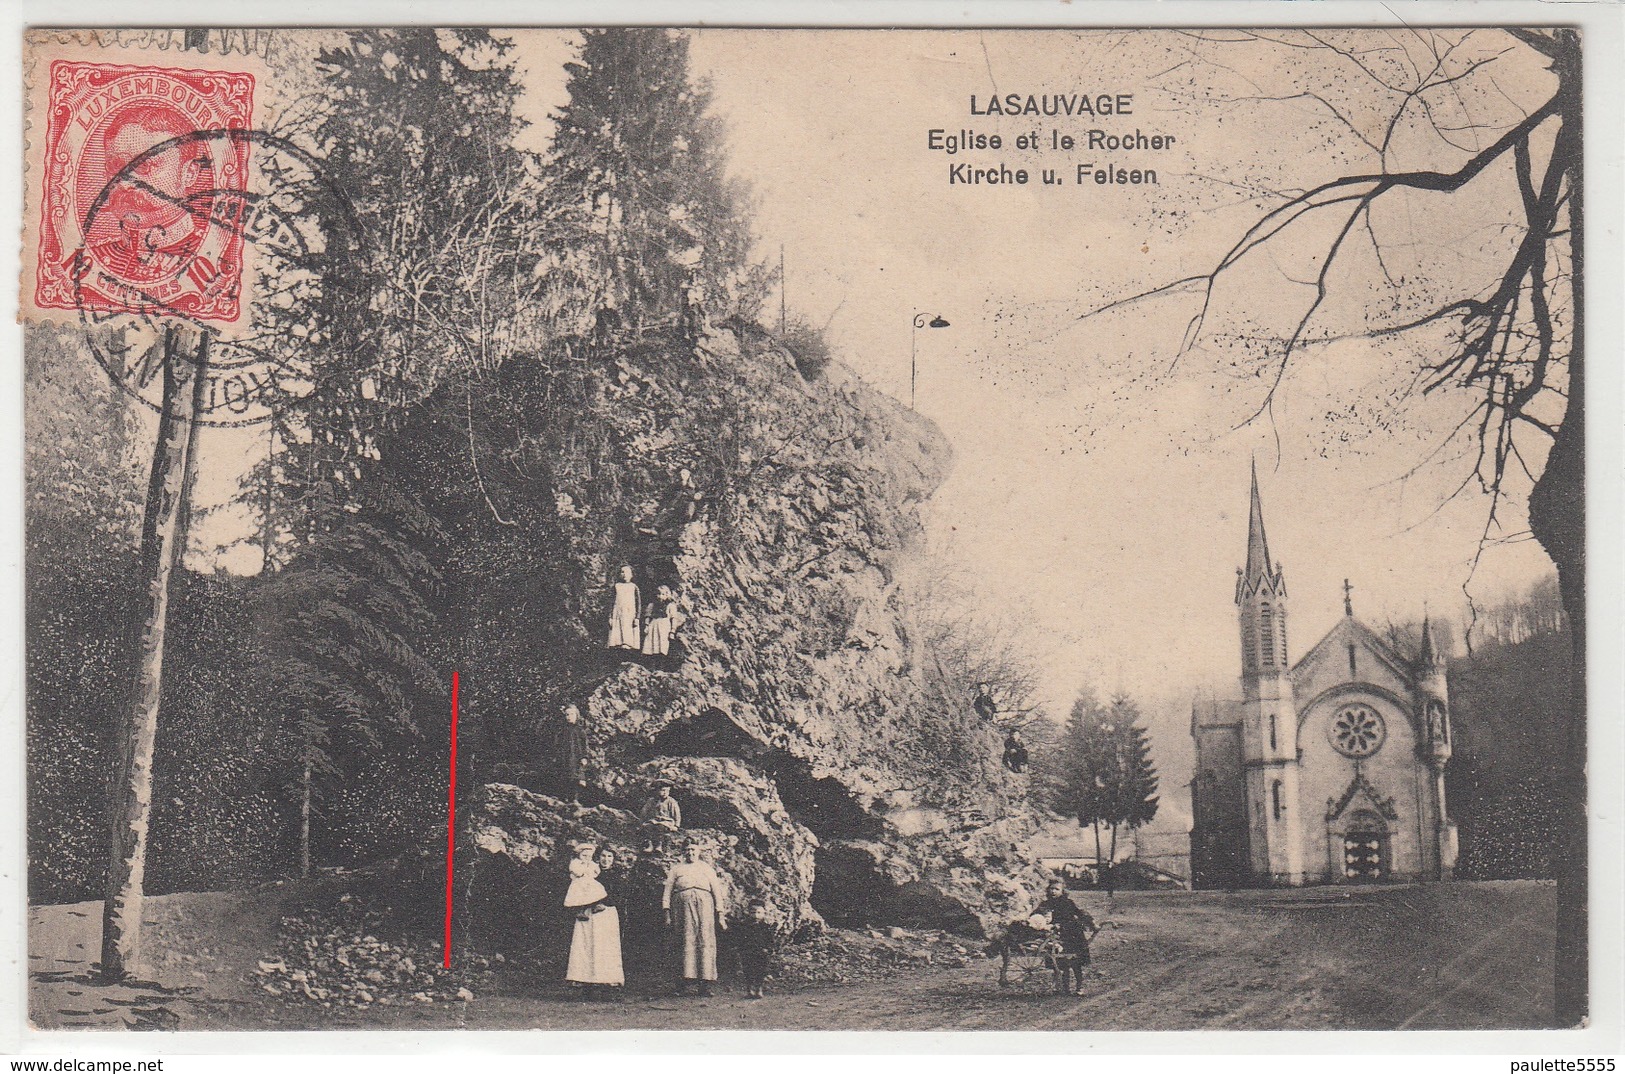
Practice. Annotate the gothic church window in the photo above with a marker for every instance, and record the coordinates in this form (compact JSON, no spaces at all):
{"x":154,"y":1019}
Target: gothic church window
{"x":1272,"y":732}
{"x":1357,"y":731}
{"x":1267,"y":630}
{"x":1276,"y":803}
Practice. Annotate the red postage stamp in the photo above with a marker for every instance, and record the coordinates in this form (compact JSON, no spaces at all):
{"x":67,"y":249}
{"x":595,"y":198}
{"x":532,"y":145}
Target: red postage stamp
{"x":143,"y":190}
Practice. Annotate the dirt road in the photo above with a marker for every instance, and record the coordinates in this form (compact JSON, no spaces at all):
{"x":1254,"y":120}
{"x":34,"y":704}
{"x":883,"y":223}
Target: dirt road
{"x":1449,"y":956}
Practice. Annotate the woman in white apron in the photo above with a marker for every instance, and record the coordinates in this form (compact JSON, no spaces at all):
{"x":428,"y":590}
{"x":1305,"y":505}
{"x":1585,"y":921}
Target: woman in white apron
{"x":625,"y":630}
{"x":595,"y":944}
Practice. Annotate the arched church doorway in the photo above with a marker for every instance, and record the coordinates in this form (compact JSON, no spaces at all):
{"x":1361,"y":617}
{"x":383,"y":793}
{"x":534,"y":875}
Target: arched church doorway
{"x":1365,"y":848}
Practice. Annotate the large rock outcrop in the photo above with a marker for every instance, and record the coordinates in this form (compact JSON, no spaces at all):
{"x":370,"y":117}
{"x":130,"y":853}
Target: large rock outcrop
{"x":799,"y":715}
{"x":967,"y":878}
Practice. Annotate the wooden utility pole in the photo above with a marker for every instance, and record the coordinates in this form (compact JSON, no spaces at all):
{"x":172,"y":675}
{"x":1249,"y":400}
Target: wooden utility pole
{"x":268,"y":533}
{"x":163,"y":543}
{"x":784,"y":297}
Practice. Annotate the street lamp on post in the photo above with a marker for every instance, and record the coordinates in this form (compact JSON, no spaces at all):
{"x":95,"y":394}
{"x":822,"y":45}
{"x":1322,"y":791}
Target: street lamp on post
{"x":914,"y":347}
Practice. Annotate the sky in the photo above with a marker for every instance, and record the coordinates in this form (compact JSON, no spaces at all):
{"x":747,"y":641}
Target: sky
{"x":1107,"y":492}
{"x":1101,"y":474}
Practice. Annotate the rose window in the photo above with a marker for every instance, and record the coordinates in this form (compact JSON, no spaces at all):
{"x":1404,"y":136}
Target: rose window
{"x":1358,"y":731}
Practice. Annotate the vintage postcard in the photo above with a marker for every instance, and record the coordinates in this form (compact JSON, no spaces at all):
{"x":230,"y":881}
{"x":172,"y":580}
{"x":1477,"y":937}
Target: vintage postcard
{"x":621,"y":527}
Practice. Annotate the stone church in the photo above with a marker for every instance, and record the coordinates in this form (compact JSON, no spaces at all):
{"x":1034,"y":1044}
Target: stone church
{"x":1327,"y":770}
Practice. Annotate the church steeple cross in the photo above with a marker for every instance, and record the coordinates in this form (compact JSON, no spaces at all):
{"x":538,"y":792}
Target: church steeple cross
{"x":1348,"y":598}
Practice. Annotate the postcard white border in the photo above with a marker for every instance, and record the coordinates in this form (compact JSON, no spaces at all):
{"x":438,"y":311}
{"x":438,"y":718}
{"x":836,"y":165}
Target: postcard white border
{"x":1604,"y":27}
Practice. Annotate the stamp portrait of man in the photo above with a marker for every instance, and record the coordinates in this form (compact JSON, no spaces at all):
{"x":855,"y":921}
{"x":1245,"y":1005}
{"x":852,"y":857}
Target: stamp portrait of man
{"x":150,"y":212}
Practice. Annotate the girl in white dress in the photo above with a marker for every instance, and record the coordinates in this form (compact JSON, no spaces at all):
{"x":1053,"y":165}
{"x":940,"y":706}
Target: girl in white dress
{"x":584,"y":886}
{"x":623,"y":619}
{"x":662,"y":620}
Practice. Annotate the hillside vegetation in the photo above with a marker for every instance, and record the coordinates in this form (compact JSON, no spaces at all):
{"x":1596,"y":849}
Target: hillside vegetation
{"x":529,"y":374}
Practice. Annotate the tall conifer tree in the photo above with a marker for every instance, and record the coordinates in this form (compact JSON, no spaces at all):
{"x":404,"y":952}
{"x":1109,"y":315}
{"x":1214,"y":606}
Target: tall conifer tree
{"x":641,"y":217}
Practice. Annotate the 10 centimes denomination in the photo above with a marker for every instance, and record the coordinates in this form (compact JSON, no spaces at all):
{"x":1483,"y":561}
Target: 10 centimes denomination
{"x":161,"y":208}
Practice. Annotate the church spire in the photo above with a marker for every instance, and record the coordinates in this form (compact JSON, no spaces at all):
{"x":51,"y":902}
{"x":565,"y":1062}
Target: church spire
{"x":1269,"y":724}
{"x":1258,"y":546}
{"x":1256,"y":543}
{"x":1430,"y":655}
{"x":1261,"y":597}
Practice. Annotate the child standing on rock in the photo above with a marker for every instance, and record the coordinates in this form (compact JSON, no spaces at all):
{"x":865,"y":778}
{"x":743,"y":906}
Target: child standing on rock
{"x":756,"y":944}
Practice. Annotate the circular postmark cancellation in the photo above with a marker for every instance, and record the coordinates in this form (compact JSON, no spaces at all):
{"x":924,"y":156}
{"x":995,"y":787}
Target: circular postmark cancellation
{"x":160,"y":205}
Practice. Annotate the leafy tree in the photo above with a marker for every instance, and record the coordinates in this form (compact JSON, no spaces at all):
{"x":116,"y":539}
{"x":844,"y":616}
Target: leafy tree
{"x":1507,"y":722}
{"x":808,"y":345}
{"x":416,"y":127}
{"x":81,"y":454}
{"x":217,"y":814}
{"x":181,"y":353}
{"x":353,"y":655}
{"x":1086,"y":745}
{"x":413,"y":395}
{"x":83,"y":519}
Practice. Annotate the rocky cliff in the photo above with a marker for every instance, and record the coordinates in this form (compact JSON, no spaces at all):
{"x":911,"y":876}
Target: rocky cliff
{"x":791,"y":715}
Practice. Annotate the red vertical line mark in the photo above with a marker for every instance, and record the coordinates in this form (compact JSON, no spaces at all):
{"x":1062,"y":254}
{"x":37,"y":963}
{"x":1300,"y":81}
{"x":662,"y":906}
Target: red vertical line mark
{"x":451,"y":817}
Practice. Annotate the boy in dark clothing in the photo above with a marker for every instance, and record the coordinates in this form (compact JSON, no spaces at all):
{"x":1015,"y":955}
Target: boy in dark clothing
{"x":986,"y":708}
{"x":1015,"y":753}
{"x":570,"y":755}
{"x":1074,"y":928}
{"x":756,"y":943}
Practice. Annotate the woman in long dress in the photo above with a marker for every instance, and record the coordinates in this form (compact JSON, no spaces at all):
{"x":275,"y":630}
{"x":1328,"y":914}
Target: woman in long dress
{"x":661,"y":620}
{"x":696,"y":904}
{"x":595,"y":943}
{"x":623,"y":618}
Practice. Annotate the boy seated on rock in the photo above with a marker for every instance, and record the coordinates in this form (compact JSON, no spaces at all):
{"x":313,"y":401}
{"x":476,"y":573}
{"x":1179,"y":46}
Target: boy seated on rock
{"x":662,"y":818}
